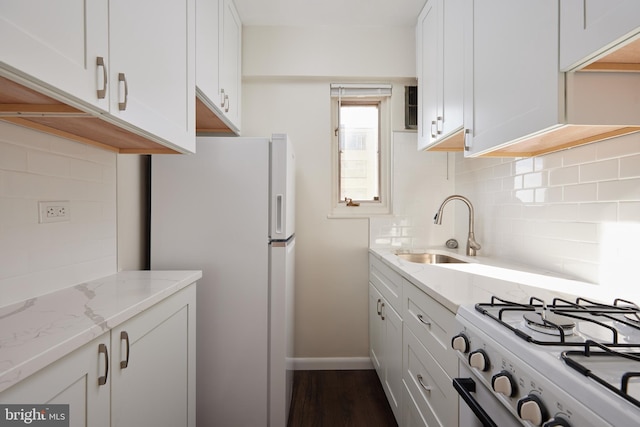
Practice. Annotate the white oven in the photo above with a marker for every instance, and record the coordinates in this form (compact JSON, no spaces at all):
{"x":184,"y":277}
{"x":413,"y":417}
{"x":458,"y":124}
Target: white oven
{"x":559,"y":364}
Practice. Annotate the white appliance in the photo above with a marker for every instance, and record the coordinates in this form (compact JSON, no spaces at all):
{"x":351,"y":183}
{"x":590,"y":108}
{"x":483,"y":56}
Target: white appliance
{"x":549,"y":363}
{"x":228,"y":210}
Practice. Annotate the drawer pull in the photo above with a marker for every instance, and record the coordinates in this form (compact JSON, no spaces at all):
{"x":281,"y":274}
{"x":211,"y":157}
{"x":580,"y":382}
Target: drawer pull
{"x":123,"y":92}
{"x":102,"y":93}
{"x":124,"y":336}
{"x":421,"y":319}
{"x":382,"y":311}
{"x":102,"y":349}
{"x":378,"y":308}
{"x":422,"y":384}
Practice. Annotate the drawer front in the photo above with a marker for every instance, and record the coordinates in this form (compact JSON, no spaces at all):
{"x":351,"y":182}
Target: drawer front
{"x":432,"y":323}
{"x":428,"y":384}
{"x":411,"y":415}
{"x":387,"y":281}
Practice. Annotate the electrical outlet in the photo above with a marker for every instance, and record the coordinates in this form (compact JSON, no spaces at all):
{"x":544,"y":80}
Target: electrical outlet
{"x":54,"y":211}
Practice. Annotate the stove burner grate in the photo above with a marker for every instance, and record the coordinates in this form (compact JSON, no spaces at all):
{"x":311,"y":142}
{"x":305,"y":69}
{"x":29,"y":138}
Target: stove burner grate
{"x":604,"y":351}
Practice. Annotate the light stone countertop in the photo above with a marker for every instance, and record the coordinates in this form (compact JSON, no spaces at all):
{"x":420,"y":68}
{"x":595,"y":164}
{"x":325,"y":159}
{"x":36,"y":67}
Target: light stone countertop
{"x":37,"y":332}
{"x":481,"y":278}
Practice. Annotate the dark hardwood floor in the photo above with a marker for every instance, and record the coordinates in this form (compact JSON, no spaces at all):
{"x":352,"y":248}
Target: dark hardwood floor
{"x":339,"y":399}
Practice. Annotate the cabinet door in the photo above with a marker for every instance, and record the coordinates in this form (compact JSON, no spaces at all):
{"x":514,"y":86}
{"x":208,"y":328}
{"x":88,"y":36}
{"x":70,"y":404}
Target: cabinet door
{"x":451,"y":69}
{"x":153,"y":382}
{"x":393,"y":359}
{"x":72,"y":380}
{"x":589,"y":27}
{"x":512,"y":87}
{"x":230,"y":48}
{"x":152,"y":65}
{"x":57,"y":43}
{"x":207,"y":50}
{"x":427,"y":63}
{"x":376,"y":330}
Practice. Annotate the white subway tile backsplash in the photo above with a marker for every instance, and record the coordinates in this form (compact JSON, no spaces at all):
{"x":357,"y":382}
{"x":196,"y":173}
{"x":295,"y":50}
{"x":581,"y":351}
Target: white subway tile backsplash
{"x":599,"y":171}
{"x":558,"y":211}
{"x":39,"y":258}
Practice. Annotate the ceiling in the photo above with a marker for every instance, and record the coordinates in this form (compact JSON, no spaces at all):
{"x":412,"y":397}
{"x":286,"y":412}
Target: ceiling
{"x":388,"y":13}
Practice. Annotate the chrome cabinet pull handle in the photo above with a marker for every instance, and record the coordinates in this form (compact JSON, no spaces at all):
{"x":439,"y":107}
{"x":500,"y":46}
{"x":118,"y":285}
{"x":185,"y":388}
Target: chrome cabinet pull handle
{"x":467,"y":147}
{"x":102,"y":93}
{"x":226,"y":102}
{"x":422,"y":384}
{"x":421,"y":319}
{"x":438,"y":127}
{"x":378,"y":308}
{"x":433,"y":124}
{"x":125,"y":336}
{"x":102,"y":349}
{"x":122,"y":82}
{"x":382,"y":311}
{"x":222,"y":98}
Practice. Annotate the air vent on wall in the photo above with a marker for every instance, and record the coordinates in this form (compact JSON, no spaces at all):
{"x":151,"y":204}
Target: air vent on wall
{"x":411,"y":107}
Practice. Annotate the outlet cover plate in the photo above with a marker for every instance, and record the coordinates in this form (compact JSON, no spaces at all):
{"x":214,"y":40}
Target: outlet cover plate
{"x":54,"y":211}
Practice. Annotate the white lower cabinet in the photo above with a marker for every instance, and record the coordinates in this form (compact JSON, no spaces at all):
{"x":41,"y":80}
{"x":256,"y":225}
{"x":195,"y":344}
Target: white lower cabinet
{"x":385,"y":336}
{"x":141,"y":373}
{"x":409,"y":345}
{"x":72,"y":380}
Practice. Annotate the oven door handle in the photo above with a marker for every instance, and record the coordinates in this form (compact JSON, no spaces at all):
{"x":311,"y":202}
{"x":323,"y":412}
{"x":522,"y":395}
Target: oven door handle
{"x":466,"y":386}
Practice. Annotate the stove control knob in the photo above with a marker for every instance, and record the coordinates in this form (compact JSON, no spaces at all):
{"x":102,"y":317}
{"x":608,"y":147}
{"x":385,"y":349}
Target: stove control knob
{"x":479,"y":359}
{"x":557,"y":421}
{"x":530,"y":408}
{"x":461,"y":343}
{"x":503,"y":383}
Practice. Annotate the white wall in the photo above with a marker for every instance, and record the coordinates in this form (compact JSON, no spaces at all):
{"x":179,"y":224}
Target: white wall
{"x":40,"y":258}
{"x":575,"y":212}
{"x":287,"y":72}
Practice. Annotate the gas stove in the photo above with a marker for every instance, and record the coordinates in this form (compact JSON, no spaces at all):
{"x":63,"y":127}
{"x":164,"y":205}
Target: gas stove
{"x":555,"y":363}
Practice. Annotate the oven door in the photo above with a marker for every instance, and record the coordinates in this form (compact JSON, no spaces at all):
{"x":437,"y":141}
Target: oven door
{"x":478,"y":406}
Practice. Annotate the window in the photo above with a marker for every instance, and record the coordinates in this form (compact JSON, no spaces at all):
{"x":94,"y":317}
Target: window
{"x":361,"y":124}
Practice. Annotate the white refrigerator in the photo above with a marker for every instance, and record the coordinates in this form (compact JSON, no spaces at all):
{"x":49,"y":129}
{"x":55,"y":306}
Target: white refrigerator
{"x":228,"y":210}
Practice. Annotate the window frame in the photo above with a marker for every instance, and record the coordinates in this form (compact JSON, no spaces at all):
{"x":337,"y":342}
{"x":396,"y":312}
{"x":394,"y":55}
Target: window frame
{"x":365,"y":208}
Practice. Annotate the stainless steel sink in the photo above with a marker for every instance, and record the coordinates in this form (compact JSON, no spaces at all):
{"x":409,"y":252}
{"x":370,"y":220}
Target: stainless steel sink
{"x":428,"y":258}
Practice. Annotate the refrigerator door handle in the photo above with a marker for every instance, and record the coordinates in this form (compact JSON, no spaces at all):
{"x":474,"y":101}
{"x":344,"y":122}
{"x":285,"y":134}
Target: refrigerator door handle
{"x":279,"y":213}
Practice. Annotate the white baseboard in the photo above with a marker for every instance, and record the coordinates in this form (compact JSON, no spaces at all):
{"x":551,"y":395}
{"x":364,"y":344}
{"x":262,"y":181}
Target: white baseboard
{"x":331,"y":363}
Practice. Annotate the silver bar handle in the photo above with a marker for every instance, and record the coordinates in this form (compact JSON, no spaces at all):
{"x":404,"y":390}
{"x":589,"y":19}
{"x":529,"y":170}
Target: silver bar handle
{"x":422,"y":384}
{"x":382,"y":311}
{"x":222,"y":98}
{"x":433,"y":124}
{"x":102,"y":349}
{"x":122,"y":83}
{"x":102,"y":93}
{"x":378,"y":308}
{"x":425,"y":322}
{"x":226,"y":103}
{"x":124,"y":336}
{"x":467,"y":147}
{"x":438,"y":126}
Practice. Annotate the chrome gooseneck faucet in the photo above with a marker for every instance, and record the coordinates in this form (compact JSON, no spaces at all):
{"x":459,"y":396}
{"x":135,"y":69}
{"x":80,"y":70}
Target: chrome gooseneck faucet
{"x":472,"y":245}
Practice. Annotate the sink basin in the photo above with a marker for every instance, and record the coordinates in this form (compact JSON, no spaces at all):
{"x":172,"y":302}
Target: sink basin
{"x":428,"y":258}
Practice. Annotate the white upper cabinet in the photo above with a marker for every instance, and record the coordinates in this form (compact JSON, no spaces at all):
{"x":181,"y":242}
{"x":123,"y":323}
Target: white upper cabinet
{"x":130,"y":63}
{"x":58,"y":44}
{"x":218,"y":66}
{"x":512,"y":86}
{"x":152,"y":72}
{"x":439,"y":38}
{"x":589,"y":28}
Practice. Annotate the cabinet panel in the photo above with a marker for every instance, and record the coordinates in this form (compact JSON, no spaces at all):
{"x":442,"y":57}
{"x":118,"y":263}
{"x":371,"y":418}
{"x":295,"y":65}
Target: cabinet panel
{"x":72,"y":380}
{"x":57,"y":43}
{"x":159,"y":348}
{"x":427,"y":61}
{"x":393,"y":359}
{"x":230,"y":45}
{"x":432,"y":324}
{"x":152,"y":48}
{"x":387,"y":281}
{"x":376,"y":330}
{"x":590,"y":27}
{"x":525,"y":93}
{"x":428,"y":384}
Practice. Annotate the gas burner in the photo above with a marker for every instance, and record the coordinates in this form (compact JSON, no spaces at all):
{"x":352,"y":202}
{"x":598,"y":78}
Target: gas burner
{"x":549,"y":323}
